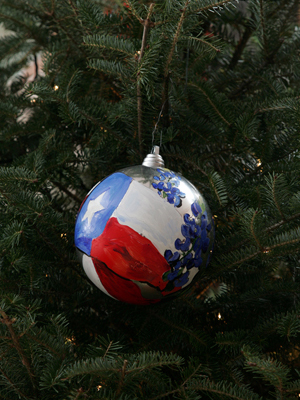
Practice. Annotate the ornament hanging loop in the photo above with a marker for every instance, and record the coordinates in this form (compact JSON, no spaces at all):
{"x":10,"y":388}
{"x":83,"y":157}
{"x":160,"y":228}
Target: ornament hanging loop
{"x":154,"y":159}
{"x":155,"y":127}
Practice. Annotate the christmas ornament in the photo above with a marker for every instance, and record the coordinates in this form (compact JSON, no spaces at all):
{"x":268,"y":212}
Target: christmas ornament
{"x":144,"y":232}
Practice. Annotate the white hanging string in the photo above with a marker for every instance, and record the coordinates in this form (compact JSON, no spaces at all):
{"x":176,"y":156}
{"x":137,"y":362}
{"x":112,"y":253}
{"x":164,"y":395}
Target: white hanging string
{"x":155,"y":127}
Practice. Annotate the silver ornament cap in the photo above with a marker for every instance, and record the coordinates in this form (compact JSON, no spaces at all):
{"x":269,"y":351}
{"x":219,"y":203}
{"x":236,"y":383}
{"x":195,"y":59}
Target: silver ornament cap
{"x":154,"y":159}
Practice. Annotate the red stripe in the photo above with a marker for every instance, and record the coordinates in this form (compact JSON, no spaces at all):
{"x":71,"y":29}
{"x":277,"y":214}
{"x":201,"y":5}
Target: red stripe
{"x":121,"y":289}
{"x":129,"y":254}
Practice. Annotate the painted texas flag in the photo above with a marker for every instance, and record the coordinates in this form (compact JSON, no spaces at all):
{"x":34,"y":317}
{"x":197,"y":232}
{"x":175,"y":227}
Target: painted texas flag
{"x":122,"y":232}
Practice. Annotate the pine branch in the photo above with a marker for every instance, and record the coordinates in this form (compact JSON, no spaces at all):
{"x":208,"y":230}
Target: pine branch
{"x":205,"y":42}
{"x":270,"y":370}
{"x":224,"y":390}
{"x":282,"y":222}
{"x":73,"y":7}
{"x":187,"y":161}
{"x":210,"y":7}
{"x":67,"y":191}
{"x":9,"y":323}
{"x":160,"y":396}
{"x":253,"y":232}
{"x":219,"y":188}
{"x":266,"y":230}
{"x":194,"y":9}
{"x":262,"y":18}
{"x":50,"y":244}
{"x":78,"y":47}
{"x":211,"y":103}
{"x":121,"y":381}
{"x":111,"y":43}
{"x":16,"y":21}
{"x":147,"y":25}
{"x":207,"y":287}
{"x":101,"y":125}
{"x":268,"y":60}
{"x":15,"y":387}
{"x":240,"y":260}
{"x":17,"y":174}
{"x":275,"y":199}
{"x":285,"y":243}
{"x":35,"y":339}
{"x":176,"y":37}
{"x":179,"y":328}
{"x":241,"y":46}
{"x":134,"y":11}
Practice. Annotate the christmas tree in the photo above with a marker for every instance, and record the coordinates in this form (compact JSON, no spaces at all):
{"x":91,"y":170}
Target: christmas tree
{"x":87,"y":88}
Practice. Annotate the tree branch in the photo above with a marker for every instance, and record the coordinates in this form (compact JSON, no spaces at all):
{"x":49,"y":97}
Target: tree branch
{"x":21,"y":394}
{"x":147,"y":24}
{"x":241,"y":46}
{"x":123,"y":372}
{"x":9,"y":323}
{"x":262,"y":18}
{"x":67,"y":191}
{"x":176,"y":38}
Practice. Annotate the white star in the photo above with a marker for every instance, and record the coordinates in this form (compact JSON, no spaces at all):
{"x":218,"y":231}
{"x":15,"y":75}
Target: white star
{"x":93,"y":207}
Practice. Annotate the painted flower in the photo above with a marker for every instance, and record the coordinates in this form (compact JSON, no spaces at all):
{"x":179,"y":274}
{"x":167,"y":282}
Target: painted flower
{"x":170,"y":257}
{"x":167,"y":183}
{"x":182,"y":280}
{"x":158,"y":186}
{"x":190,"y":250}
{"x":196,"y":209}
{"x":183,"y":245}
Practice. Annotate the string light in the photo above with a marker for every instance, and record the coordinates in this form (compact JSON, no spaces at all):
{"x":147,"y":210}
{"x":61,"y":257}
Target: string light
{"x":99,"y":387}
{"x":219,"y":316}
{"x":70,"y":340}
{"x":258,"y":164}
{"x":64,"y":236}
{"x":56,"y":87}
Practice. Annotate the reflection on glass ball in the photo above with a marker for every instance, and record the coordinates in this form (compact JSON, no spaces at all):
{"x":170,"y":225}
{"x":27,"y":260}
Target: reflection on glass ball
{"x":143,"y":233}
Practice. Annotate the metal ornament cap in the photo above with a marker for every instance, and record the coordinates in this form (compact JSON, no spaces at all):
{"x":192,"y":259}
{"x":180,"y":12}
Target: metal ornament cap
{"x":154,"y":159}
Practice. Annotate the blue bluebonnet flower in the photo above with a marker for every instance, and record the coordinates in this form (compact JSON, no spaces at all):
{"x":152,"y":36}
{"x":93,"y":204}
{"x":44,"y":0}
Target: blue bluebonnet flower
{"x":192,"y":247}
{"x":172,"y":275}
{"x":196,"y":209}
{"x":170,"y":257}
{"x":167,"y":186}
{"x":187,"y":261}
{"x":190,"y":229}
{"x":182,"y":280}
{"x":183,"y":245}
{"x":158,"y":186}
{"x":175,"y":263}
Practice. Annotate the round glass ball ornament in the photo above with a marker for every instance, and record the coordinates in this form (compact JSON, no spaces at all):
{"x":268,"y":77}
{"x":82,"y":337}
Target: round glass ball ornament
{"x":144,"y":232}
